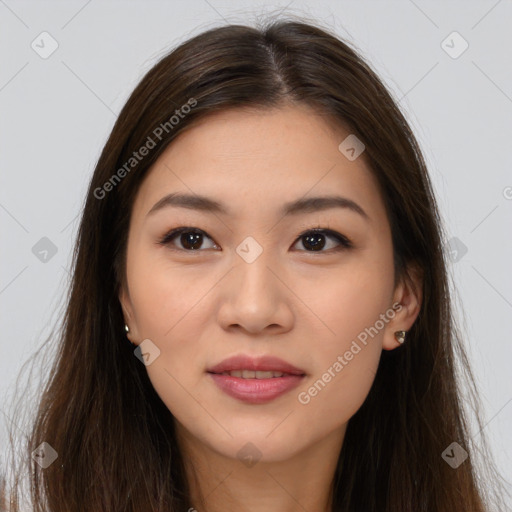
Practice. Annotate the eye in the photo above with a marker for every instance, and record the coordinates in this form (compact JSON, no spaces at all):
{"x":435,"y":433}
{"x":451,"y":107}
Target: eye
{"x":314,"y":240}
{"x":190,"y":239}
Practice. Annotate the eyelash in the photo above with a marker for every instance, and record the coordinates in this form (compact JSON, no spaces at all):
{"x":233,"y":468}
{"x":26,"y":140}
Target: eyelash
{"x":344,"y":242}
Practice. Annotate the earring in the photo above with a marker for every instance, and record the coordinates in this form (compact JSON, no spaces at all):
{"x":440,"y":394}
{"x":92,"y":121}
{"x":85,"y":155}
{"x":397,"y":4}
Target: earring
{"x":127,"y":329}
{"x":400,"y":336}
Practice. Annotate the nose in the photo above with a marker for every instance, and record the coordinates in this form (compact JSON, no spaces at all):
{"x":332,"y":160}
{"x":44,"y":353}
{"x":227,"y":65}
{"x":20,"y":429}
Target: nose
{"x":256,"y":298}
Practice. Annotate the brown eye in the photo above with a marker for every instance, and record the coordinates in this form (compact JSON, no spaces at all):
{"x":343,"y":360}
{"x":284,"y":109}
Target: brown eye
{"x":316,"y":240}
{"x":190,"y":239}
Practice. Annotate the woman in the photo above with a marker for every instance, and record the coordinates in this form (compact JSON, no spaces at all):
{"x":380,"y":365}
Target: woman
{"x":261,"y":227}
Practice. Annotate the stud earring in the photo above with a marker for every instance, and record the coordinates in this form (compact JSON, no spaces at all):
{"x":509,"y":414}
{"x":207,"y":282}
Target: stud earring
{"x":400,"y":336}
{"x":127,"y":329}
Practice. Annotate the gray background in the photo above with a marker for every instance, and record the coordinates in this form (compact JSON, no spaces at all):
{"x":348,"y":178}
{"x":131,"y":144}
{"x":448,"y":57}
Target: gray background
{"x":58,"y":111}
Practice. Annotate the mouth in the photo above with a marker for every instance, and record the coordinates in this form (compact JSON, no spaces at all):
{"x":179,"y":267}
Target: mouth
{"x":255,"y":381}
{"x":251,"y":374}
{"x":248,"y":367}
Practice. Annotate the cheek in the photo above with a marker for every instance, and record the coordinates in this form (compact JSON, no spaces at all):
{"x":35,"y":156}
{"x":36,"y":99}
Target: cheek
{"x":173,"y":307}
{"x":172,"y":310}
{"x":164,"y":294}
{"x":343,"y":302}
{"x":349,"y":309}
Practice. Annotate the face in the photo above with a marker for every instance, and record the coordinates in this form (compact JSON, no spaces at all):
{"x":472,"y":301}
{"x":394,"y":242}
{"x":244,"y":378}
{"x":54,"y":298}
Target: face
{"x":251,"y":278}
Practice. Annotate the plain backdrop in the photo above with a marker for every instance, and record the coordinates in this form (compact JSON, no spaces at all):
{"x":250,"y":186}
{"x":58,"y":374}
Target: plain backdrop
{"x":446,"y":63}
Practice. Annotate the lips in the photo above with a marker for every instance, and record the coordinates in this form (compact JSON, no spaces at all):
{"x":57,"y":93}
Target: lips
{"x":260,"y":364}
{"x":241,"y":378}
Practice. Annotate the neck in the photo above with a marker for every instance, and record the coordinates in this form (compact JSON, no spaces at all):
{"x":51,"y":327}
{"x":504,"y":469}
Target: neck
{"x":301,"y":482}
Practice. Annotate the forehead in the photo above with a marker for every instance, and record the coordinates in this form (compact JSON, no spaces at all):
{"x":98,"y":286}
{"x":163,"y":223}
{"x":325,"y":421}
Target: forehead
{"x":250,"y":159}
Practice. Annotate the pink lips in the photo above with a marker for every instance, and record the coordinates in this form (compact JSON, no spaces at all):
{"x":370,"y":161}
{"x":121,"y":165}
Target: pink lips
{"x":256,"y":391}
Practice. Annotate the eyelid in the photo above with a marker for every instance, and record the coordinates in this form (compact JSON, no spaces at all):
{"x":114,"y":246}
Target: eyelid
{"x":344,"y":242}
{"x":173,"y":233}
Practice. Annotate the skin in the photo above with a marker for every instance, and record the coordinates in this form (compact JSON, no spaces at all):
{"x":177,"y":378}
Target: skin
{"x":306,"y":307}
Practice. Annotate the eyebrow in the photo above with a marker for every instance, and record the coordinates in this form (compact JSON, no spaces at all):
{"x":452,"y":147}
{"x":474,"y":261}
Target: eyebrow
{"x":303,"y":205}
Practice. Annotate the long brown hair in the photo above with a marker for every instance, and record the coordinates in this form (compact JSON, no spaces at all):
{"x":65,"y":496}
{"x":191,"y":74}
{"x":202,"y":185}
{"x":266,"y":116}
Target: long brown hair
{"x":115,"y":438}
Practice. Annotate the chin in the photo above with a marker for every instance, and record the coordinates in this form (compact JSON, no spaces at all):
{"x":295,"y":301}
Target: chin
{"x":258,"y":444}
{"x":250,"y":451}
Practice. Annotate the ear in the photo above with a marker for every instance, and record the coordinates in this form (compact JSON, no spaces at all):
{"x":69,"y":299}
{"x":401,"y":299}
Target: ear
{"x":129,"y":317}
{"x":407,"y":300}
